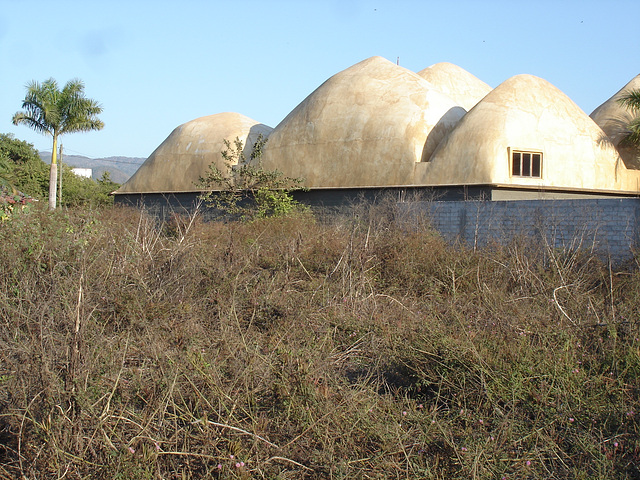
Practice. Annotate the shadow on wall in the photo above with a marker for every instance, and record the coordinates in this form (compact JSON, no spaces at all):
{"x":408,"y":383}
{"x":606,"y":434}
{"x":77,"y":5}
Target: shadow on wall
{"x":440,"y":131}
{"x":254,"y":132}
{"x":618,"y":127}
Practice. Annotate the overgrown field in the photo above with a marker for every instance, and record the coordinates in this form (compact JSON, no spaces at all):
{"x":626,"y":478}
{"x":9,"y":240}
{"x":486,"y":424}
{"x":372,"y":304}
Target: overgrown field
{"x":354,"y":347}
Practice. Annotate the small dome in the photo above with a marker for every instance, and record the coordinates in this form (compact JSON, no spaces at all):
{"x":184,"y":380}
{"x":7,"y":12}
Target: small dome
{"x":365,"y":126}
{"x":178,"y":163}
{"x":457,"y":83}
{"x":528,"y":113}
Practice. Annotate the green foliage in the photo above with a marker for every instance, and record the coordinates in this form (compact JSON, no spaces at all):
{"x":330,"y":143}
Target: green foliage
{"x":22,"y":168}
{"x":78,"y":190}
{"x":51,"y":111}
{"x":244,"y":189}
{"x":631,"y":100}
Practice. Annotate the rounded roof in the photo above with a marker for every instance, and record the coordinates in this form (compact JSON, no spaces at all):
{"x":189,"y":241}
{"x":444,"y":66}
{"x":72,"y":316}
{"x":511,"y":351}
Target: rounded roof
{"x":457,"y":83}
{"x":185,"y":155}
{"x":527,"y":113}
{"x":613,"y":118}
{"x":365,"y":126}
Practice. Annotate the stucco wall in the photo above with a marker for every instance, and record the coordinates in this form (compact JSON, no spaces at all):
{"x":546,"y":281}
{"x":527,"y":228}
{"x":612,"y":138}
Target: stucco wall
{"x":607,"y":226}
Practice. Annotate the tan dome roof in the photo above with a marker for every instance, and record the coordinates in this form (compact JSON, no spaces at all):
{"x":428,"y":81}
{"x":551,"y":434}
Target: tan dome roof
{"x":185,"y":155}
{"x":457,"y":83}
{"x":367,"y":125}
{"x":613,"y":118}
{"x":528,"y":113}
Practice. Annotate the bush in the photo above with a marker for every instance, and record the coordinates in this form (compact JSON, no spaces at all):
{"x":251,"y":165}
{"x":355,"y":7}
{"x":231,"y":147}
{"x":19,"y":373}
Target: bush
{"x":301,"y":349}
{"x":245,"y":190}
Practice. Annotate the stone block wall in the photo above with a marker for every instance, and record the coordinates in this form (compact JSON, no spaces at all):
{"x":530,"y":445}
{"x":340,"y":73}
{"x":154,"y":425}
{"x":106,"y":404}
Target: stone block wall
{"x":608,"y":227}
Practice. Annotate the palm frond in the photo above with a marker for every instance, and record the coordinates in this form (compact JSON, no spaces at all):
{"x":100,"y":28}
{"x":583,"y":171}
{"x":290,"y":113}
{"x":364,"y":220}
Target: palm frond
{"x":630,"y":99}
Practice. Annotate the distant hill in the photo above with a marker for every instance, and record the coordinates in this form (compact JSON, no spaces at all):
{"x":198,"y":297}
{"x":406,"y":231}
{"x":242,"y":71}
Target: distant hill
{"x":120,"y":168}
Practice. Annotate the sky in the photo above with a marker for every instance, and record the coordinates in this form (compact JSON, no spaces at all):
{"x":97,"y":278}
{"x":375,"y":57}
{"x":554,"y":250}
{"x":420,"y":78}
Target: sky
{"x":154,"y":65}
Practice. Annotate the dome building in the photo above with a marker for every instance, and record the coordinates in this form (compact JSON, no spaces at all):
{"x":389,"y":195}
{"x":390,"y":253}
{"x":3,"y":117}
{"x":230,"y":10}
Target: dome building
{"x":528,"y":136}
{"x":464,"y":88}
{"x":185,"y":155}
{"x":366,"y":126}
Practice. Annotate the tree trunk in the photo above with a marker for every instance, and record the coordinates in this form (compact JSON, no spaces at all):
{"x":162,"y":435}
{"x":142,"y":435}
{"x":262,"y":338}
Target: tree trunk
{"x":53,"y":175}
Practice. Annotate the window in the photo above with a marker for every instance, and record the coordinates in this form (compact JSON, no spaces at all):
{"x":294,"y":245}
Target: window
{"x":526,"y":164}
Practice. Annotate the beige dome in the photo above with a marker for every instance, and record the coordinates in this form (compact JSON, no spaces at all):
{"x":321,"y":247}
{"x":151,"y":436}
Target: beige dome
{"x":613,"y":118}
{"x":178,"y":163}
{"x":526,"y":113}
{"x":365,"y":126}
{"x":457,"y":83}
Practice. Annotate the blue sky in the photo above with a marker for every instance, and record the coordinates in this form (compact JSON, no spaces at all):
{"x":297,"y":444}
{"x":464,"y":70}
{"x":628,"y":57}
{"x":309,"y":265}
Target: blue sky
{"x":154,"y":65}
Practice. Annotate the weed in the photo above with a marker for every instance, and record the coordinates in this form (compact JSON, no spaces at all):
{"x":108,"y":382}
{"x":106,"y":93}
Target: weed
{"x":294,"y":348}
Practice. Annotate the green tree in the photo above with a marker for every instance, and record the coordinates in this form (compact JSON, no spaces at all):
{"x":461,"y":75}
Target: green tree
{"x":21,"y":167}
{"x":245,"y":189}
{"x":631,"y":100}
{"x":55,"y":112}
{"x":78,"y":190}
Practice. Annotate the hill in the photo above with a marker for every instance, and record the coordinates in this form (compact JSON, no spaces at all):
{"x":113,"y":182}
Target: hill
{"x":120,"y":168}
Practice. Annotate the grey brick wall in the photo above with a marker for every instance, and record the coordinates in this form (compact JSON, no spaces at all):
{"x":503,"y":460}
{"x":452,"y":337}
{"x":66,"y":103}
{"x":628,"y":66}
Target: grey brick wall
{"x":608,"y":227}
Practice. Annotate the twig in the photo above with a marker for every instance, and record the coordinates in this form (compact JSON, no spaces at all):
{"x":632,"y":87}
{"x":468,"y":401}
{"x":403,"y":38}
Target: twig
{"x":555,"y":298}
{"x":290,"y":461}
{"x":222,"y":425}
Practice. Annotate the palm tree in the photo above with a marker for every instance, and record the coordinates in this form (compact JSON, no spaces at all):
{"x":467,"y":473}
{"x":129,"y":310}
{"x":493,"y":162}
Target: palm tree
{"x":631,"y":100}
{"x":50,"y":111}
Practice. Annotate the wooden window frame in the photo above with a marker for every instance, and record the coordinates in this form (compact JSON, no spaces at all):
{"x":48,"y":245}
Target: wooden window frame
{"x":525,"y":163}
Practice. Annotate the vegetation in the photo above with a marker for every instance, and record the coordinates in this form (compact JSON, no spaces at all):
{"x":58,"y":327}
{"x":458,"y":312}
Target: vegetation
{"x":244,"y":189}
{"x":22,"y":169}
{"x":361,"y":347}
{"x":631,"y":100}
{"x":55,"y":112}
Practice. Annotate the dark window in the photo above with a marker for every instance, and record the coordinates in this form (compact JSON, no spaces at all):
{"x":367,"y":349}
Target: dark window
{"x":526,"y":164}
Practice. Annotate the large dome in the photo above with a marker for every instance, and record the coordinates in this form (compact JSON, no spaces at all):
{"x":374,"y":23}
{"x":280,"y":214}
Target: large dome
{"x":365,"y":126}
{"x":464,"y":88}
{"x":178,"y":163}
{"x":613,"y":118}
{"x":526,"y":113}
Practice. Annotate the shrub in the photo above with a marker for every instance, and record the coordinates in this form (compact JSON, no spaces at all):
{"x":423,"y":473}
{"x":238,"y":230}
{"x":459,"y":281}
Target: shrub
{"x":301,"y":349}
{"x":245,"y":190}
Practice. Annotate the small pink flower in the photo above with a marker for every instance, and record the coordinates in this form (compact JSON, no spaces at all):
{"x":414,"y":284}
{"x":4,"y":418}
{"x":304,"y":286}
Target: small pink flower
{"x":132,"y":450}
{"x":615,"y":444}
{"x":528,"y":463}
{"x":219,"y":467}
{"x":404,"y":413}
{"x":231,"y":457}
{"x":464,"y":449}
{"x":480,"y":421}
{"x":571,"y":419}
{"x":157,"y":445}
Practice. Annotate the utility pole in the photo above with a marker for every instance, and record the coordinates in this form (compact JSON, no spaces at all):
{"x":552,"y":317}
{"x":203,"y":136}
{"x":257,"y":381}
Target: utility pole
{"x":60,"y":191}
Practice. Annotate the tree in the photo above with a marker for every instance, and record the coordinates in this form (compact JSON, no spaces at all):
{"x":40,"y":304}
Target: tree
{"x":631,"y":100}
{"x":245,"y":190}
{"x":21,"y":167}
{"x":55,"y":112}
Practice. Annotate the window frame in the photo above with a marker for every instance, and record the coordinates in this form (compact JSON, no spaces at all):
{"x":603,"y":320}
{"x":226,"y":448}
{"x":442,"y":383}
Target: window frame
{"x":527,"y":163}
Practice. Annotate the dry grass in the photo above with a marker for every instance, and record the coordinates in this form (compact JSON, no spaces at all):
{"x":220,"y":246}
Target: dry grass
{"x":291,"y":348}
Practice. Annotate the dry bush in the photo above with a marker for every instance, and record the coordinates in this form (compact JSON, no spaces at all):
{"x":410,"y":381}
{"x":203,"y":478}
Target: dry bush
{"x":361,"y":347}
